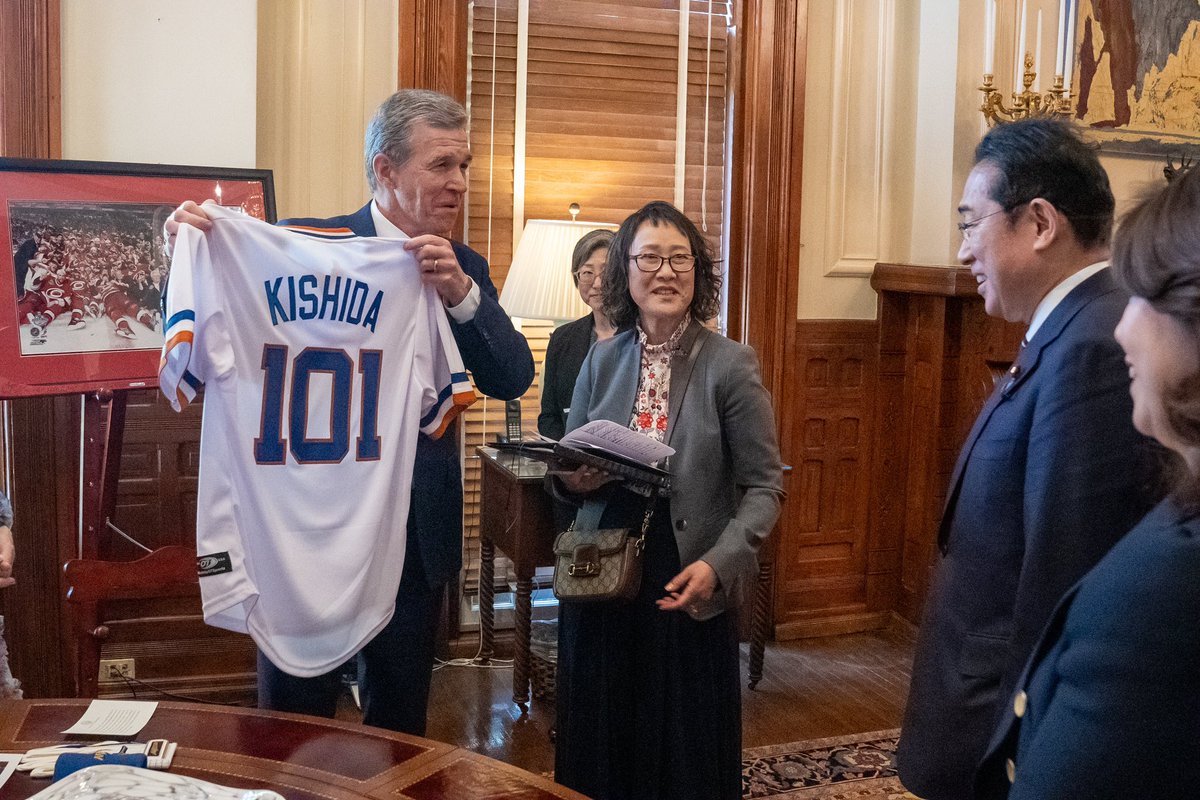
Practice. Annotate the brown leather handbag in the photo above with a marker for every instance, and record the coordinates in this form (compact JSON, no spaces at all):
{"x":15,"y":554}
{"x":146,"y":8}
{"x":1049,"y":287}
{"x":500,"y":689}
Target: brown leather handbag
{"x":596,"y":565}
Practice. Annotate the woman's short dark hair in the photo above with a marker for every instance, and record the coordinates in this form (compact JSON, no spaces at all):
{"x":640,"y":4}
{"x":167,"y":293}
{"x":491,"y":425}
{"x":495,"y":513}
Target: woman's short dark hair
{"x":589,"y":243}
{"x":1048,"y":158}
{"x":618,"y":302}
{"x":1156,"y":256}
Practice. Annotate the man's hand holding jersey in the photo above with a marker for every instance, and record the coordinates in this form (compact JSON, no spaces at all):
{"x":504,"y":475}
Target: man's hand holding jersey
{"x":440,"y":268}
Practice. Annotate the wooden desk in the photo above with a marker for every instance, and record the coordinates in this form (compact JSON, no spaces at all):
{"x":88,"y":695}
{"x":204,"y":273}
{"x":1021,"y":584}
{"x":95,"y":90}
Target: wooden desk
{"x":301,"y":758}
{"x":516,"y":515}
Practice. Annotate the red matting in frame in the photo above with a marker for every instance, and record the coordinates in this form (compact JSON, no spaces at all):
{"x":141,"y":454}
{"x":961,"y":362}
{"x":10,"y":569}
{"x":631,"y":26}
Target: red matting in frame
{"x":81,"y":268}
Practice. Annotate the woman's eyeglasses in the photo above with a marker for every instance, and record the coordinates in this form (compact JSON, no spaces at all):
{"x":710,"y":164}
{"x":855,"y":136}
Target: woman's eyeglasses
{"x":652,"y":262}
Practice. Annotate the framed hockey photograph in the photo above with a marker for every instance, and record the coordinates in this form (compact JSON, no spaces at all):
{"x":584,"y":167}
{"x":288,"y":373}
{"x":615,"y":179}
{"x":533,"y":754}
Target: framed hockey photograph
{"x":81,"y":285}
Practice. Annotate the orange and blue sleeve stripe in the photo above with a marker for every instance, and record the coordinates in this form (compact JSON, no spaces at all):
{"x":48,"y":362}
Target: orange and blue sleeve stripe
{"x":453,"y":399}
{"x":322,"y":233}
{"x":176,"y":381}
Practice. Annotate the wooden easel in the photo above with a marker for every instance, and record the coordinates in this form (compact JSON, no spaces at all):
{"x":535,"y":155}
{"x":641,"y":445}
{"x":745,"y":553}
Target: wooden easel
{"x":103,"y":429}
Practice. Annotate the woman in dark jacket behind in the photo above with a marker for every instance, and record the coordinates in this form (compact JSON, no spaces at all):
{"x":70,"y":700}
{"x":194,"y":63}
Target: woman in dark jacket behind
{"x":1108,"y":706}
{"x":570,"y":343}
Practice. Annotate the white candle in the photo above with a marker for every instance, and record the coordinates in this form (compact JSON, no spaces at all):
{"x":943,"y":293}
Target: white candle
{"x":1037,"y":54}
{"x":1020,"y":67}
{"x":1062,"y":37}
{"x":1069,"y":54}
{"x":989,"y":37}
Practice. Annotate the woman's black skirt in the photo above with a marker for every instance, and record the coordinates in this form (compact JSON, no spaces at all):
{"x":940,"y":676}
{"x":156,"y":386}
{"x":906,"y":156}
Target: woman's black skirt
{"x":649,"y":703}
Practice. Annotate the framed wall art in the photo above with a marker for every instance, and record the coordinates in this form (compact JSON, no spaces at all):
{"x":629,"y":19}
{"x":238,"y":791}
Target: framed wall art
{"x":1136,"y":83}
{"x":84,"y":266}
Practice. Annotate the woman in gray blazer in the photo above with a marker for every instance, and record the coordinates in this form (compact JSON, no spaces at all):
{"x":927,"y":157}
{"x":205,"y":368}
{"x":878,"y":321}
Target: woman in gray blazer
{"x":649,"y":704}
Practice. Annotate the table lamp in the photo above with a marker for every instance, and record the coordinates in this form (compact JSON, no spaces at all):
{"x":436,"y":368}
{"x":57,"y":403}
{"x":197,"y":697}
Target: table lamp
{"x":539,"y":283}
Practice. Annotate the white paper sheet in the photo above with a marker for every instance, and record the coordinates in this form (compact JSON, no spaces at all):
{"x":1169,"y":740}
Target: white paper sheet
{"x":608,"y":435}
{"x":114,"y":718}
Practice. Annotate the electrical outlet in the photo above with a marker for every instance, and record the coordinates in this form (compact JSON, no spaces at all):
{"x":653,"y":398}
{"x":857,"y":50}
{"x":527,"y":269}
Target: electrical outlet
{"x":116,"y":669}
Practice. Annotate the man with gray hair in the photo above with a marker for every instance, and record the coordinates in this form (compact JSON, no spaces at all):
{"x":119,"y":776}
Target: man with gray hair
{"x":416,"y":158}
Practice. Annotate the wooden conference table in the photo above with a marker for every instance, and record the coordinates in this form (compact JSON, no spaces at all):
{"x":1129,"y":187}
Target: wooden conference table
{"x":301,"y":758}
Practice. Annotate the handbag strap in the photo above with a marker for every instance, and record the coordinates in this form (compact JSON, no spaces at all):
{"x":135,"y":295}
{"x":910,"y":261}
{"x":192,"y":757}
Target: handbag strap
{"x":588,"y":518}
{"x":640,"y":544}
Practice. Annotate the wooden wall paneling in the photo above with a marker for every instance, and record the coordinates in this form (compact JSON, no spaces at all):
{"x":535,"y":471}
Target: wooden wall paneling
{"x":768,"y":147}
{"x":433,"y":46}
{"x":45,"y":501}
{"x":939,"y":355}
{"x":890,"y":463}
{"x":826,"y":567}
{"x":30,"y":79}
{"x":156,"y":496}
{"x":925,"y":476}
{"x":44,"y":451}
{"x":766,"y":155}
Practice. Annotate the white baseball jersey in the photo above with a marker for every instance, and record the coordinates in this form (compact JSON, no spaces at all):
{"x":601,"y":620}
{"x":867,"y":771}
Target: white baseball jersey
{"x":323,"y":355}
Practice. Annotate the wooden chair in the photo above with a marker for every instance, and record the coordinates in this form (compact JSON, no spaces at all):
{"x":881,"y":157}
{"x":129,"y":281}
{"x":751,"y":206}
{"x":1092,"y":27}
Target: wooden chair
{"x":165,"y":573}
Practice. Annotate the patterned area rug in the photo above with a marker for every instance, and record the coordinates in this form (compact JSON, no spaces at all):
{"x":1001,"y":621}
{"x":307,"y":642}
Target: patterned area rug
{"x":858,"y":767}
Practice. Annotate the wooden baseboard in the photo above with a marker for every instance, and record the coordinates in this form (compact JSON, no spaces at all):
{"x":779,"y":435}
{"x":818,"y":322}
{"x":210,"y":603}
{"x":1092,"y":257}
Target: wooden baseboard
{"x":833,"y":625}
{"x":235,"y":689}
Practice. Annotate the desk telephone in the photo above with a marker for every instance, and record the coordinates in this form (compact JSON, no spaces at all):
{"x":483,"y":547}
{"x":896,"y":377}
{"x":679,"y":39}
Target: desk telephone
{"x":512,"y":421}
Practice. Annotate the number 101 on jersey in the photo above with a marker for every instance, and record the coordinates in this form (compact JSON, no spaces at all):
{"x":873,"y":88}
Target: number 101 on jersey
{"x":287,"y":384}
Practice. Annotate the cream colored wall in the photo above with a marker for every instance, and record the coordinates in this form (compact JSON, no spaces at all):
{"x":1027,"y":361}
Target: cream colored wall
{"x":159,"y":81}
{"x":859,"y":125}
{"x":1131,"y":176}
{"x":286,"y":85}
{"x":891,"y":122}
{"x":324,"y":66}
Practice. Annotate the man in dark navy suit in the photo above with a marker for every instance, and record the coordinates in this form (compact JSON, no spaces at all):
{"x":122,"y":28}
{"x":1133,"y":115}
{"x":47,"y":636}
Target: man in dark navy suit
{"x":416,"y":158}
{"x":1053,"y":473}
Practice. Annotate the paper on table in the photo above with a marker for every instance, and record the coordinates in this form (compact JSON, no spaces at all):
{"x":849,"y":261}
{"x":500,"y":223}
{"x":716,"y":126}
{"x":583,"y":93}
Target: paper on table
{"x":608,"y":435}
{"x":114,"y":718}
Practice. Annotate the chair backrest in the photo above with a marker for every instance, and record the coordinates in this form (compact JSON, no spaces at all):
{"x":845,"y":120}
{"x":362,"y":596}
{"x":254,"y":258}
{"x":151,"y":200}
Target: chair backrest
{"x":167,"y":572}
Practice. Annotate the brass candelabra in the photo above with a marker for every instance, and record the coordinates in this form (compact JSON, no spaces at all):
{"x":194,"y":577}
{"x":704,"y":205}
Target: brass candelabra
{"x":1026,"y":103}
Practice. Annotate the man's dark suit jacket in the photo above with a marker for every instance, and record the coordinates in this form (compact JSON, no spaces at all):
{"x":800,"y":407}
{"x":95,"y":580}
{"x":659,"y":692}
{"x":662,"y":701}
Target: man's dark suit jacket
{"x":1050,"y":477}
{"x":1111,"y":696}
{"x":499,"y":360}
{"x":564,"y":356}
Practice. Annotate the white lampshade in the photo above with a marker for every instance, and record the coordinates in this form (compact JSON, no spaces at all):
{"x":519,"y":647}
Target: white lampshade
{"x":539,"y":283}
